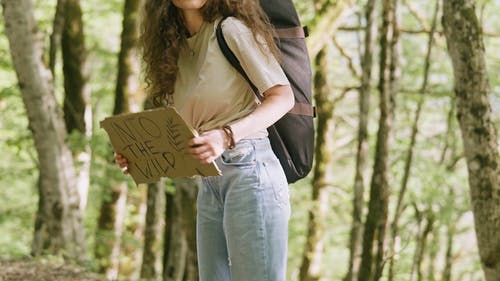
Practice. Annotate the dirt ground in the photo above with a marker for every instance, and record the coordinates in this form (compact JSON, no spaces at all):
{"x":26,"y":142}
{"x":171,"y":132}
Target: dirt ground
{"x":36,"y":270}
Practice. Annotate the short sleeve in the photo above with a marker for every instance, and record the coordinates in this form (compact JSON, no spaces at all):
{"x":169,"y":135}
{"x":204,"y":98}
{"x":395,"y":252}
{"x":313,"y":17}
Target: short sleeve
{"x":258,"y":62}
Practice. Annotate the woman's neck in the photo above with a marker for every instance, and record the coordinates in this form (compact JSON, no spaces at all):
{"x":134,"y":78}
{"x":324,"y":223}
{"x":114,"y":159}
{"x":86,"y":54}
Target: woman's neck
{"x":193,"y":21}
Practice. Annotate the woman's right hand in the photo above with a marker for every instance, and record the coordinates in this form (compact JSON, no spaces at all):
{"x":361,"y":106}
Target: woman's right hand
{"x":122,"y":162}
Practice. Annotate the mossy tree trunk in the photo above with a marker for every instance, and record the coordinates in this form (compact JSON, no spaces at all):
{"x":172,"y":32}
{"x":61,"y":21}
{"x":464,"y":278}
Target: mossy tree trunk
{"x":77,"y":109}
{"x":410,"y":152}
{"x":55,"y":36}
{"x":434,"y":247}
{"x":151,"y":258}
{"x":110,"y":229}
{"x":58,"y":227}
{"x":77,"y":94}
{"x":110,"y":226}
{"x":127,"y":94}
{"x":421,"y":246}
{"x":466,"y":49}
{"x":355,"y":240}
{"x":311,"y":261}
{"x":180,"y":261}
{"x":372,"y":259}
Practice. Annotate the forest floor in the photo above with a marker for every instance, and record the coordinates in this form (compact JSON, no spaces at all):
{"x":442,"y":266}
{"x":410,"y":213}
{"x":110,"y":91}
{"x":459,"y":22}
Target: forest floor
{"x":42,"y":270}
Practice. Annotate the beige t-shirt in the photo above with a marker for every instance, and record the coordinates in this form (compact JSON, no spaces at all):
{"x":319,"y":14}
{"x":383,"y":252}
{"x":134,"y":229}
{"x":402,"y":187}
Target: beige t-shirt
{"x":209,"y":92}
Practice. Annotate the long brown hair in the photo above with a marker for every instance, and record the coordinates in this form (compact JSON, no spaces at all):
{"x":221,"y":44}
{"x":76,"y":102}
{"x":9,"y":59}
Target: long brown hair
{"x":163,"y":34}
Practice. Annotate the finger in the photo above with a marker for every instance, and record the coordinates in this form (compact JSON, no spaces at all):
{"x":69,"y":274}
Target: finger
{"x":122,"y":162}
{"x":197,"y":141}
{"x":125,"y":170}
{"x":200,"y":154}
{"x":204,"y":155}
{"x":196,"y":150}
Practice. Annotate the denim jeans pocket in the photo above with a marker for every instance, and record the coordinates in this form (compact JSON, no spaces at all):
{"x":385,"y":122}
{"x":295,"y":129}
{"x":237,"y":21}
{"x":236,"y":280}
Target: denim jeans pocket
{"x":276,"y":180}
{"x":243,"y":155}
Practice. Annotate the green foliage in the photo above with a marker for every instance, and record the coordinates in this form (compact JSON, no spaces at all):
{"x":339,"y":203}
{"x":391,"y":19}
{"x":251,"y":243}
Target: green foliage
{"x":432,"y":186}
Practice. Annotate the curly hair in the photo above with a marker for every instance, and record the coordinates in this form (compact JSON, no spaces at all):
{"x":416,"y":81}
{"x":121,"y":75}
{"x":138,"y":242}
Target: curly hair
{"x":163,"y":34}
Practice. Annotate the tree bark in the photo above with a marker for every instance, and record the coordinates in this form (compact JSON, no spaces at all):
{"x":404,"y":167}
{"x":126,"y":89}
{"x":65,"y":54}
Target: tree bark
{"x":77,"y":99}
{"x":58,"y":227}
{"x":55,"y":37}
{"x":355,"y":241}
{"x":127,"y":90}
{"x":329,"y":16}
{"x":135,"y":251}
{"x":466,"y":49}
{"x":421,"y":247}
{"x":77,"y":110}
{"x":433,"y":254}
{"x":151,"y":262}
{"x":181,"y":262}
{"x":310,"y":269}
{"x":450,"y":237}
{"x":168,"y":232}
{"x":376,"y":220}
{"x":411,"y":148}
{"x":126,"y":84}
{"x":110,"y":229}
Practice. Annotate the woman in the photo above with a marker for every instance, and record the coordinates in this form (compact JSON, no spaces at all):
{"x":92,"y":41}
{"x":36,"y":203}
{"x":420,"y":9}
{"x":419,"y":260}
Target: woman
{"x":242,"y":220}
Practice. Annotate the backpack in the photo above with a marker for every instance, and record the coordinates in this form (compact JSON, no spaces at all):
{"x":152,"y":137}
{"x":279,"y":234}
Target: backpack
{"x":291,"y":137}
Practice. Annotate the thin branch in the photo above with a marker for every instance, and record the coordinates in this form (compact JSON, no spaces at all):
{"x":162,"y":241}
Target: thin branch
{"x":342,"y":95}
{"x":355,"y":72}
{"x":420,"y":18}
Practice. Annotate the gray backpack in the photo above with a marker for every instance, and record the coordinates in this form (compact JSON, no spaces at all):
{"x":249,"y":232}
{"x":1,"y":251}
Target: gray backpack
{"x":292,"y":137}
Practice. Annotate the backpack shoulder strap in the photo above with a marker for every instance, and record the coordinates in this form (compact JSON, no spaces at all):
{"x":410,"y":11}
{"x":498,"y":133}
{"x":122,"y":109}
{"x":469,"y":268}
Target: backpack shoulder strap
{"x":299,"y":108}
{"x":233,"y":60}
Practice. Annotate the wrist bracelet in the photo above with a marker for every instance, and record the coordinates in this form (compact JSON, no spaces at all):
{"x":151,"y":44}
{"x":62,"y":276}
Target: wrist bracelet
{"x":229,"y":134}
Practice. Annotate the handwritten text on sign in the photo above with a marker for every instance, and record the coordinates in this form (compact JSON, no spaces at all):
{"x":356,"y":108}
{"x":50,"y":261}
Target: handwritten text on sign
{"x":155,"y":145}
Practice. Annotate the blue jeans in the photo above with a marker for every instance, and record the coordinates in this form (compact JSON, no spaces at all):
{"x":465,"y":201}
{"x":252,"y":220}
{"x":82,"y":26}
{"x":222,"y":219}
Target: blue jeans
{"x":242,"y":221}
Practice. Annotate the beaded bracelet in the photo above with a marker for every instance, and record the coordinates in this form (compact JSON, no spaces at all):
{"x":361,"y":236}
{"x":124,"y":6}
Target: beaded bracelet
{"x":229,"y":134}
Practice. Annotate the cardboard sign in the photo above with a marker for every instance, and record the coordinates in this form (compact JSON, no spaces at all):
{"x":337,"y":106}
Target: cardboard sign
{"x":155,"y":143}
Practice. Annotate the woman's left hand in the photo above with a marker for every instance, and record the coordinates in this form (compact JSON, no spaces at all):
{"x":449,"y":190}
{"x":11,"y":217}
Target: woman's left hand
{"x":208,"y":146}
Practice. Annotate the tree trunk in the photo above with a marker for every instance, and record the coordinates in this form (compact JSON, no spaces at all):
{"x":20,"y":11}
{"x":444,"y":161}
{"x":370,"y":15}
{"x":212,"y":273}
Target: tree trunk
{"x":419,"y":220}
{"x":110,"y":229}
{"x":58,"y":227}
{"x":180,"y":262}
{"x":362,"y":150}
{"x":134,"y":251}
{"x":466,"y":49}
{"x":151,"y":262}
{"x":168,"y":232}
{"x":310,"y":269}
{"x":450,"y":236}
{"x":376,"y":219}
{"x":77,"y":98}
{"x":126,"y":84}
{"x":55,"y":37}
{"x":77,"y":111}
{"x":433,"y":254}
{"x":127,"y":90}
{"x":421,"y":247}
{"x":328,"y":17}
{"x":411,"y":148}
